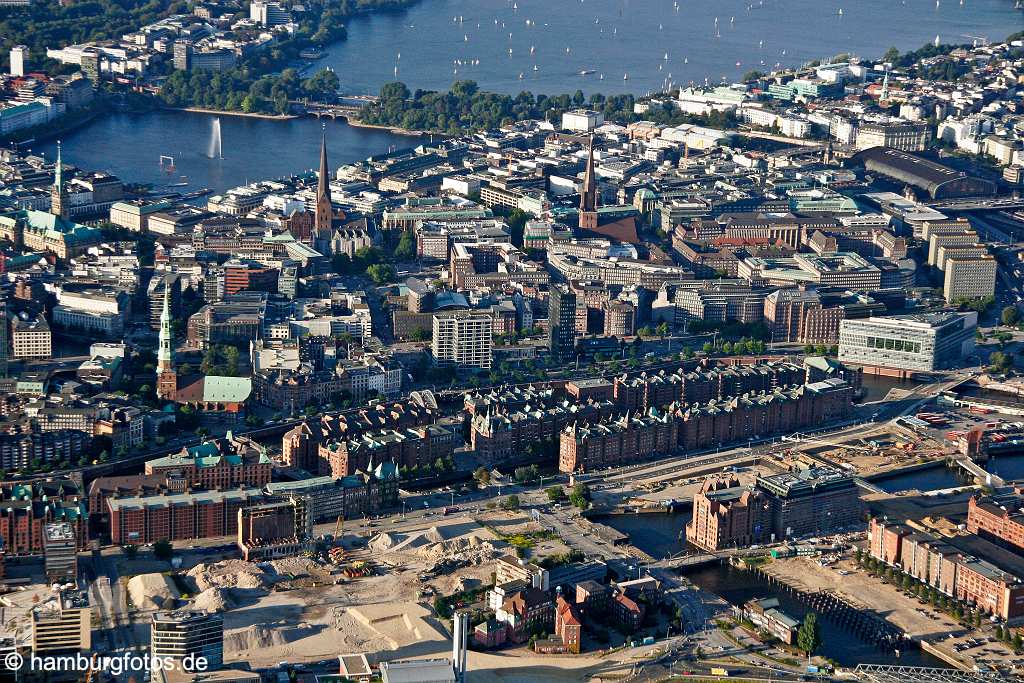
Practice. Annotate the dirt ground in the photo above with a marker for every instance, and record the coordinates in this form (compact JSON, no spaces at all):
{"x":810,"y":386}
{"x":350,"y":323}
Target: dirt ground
{"x":916,"y":620}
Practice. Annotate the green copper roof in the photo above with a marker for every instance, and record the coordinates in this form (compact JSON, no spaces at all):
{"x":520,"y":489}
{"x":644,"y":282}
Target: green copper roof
{"x":226,"y":389}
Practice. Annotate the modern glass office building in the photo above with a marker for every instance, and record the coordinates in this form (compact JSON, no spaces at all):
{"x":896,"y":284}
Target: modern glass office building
{"x":918,"y":342}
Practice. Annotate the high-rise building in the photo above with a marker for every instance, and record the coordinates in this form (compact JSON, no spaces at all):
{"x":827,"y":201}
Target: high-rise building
{"x":463,"y":340}
{"x":970,"y":277}
{"x":19,"y":55}
{"x":62,"y":624}
{"x":182,"y":55}
{"x":60,"y":552}
{"x":184,"y":636}
{"x":324,"y":209}
{"x":4,"y":350}
{"x":166,"y":376}
{"x":561,"y":322}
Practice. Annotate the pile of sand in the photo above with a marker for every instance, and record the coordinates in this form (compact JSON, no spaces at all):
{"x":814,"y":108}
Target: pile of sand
{"x":262,"y":637}
{"x":214,"y":600}
{"x":228,"y":574}
{"x":152,"y":591}
{"x":296,"y":566}
{"x":382,"y":542}
{"x":471,"y":549}
{"x":434,"y":546}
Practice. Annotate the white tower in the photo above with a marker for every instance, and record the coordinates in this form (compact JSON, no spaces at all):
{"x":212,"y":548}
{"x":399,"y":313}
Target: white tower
{"x":19,"y":55}
{"x":460,"y":633}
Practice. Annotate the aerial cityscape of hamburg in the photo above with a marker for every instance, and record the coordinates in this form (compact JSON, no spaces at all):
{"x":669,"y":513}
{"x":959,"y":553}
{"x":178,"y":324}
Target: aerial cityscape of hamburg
{"x":511,"y":341}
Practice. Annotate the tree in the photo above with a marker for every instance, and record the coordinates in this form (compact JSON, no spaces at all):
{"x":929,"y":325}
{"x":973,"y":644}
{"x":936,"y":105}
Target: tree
{"x":708,"y":347}
{"x":580,"y":496}
{"x":323,"y":83}
{"x":394,"y":91}
{"x":380,"y":273}
{"x":555,"y":493}
{"x":999,"y":362}
{"x":1018,"y":641}
{"x":163,"y":550}
{"x":406,"y":248}
{"x":808,"y":638}
{"x":1010,"y":316}
{"x":510,"y":502}
{"x":482,"y":476}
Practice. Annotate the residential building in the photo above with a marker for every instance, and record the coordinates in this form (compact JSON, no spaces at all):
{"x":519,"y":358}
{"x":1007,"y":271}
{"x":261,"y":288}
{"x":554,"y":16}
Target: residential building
{"x":463,"y":340}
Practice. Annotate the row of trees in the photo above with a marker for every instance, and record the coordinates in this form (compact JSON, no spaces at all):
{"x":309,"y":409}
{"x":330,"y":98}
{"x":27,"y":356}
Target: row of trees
{"x":466,"y":108}
{"x":262,"y":83}
{"x":957,"y":609}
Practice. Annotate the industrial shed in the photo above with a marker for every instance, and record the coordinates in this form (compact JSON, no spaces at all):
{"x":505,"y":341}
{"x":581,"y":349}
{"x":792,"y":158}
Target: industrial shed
{"x":940,"y":182}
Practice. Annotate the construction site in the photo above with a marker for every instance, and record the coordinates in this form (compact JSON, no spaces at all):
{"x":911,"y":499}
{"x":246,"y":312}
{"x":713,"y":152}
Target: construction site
{"x":371,"y":592}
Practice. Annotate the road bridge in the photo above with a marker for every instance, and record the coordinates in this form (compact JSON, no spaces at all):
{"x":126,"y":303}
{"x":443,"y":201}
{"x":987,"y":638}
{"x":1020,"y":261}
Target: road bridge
{"x":976,"y":471}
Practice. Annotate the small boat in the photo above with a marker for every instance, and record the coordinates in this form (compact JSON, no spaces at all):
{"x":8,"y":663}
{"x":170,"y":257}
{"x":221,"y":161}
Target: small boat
{"x":625,"y":77}
{"x":587,"y":72}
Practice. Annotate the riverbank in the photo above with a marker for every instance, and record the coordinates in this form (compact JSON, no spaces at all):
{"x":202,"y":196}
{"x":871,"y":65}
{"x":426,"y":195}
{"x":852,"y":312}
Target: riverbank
{"x":356,"y":123}
{"x":920,"y":623}
{"x":61,"y":126}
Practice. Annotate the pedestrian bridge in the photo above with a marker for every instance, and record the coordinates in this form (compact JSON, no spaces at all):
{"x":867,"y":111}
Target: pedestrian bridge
{"x":884,"y":673}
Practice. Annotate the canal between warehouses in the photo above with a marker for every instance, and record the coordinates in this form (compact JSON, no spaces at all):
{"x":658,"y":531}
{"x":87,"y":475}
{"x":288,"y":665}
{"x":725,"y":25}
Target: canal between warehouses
{"x":658,"y":535}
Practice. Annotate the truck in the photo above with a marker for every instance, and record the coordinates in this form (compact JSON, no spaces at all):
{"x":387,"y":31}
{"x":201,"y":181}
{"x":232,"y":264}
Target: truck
{"x":719,"y":671}
{"x":449,"y":511}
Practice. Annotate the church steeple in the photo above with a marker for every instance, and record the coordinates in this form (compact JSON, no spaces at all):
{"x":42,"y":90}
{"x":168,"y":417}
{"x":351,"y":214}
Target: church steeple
{"x":324,"y":210}
{"x":166,"y":377}
{"x":59,"y":193}
{"x":588,"y":195}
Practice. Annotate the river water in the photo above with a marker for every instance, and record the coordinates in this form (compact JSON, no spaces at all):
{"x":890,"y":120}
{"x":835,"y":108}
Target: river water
{"x":657,"y":535}
{"x":610,"y":37}
{"x":738,"y":586}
